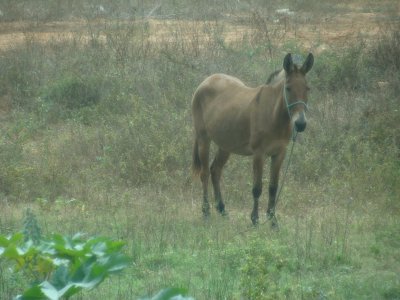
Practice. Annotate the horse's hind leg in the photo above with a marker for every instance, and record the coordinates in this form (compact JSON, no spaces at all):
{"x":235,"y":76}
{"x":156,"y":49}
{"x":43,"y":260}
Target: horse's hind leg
{"x":216,"y":171}
{"x":203,"y":152}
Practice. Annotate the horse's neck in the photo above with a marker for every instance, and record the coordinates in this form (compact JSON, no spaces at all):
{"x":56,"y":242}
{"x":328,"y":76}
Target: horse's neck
{"x":270,"y":110}
{"x":280,"y":119}
{"x":280,"y":108}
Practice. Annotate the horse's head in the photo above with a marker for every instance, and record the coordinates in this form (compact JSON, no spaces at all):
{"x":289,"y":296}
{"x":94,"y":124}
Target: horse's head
{"x":295,"y":90}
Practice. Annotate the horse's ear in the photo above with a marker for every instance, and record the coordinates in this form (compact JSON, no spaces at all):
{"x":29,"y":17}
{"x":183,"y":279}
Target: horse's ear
{"x":307,"y":64}
{"x":288,"y":64}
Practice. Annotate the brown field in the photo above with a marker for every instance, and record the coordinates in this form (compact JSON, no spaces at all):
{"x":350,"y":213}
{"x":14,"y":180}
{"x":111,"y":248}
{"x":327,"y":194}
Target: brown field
{"x":314,"y":33}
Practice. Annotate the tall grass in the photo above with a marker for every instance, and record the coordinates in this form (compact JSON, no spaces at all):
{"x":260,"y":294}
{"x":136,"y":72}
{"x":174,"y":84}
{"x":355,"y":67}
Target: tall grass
{"x":97,"y":138}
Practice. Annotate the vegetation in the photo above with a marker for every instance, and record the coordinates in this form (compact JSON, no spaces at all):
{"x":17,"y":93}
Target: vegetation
{"x":59,"y":266}
{"x":96,"y":137}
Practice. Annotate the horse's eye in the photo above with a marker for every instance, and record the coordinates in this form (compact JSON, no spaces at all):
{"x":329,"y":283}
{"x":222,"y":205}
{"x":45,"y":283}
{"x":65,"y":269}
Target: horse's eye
{"x":288,"y":89}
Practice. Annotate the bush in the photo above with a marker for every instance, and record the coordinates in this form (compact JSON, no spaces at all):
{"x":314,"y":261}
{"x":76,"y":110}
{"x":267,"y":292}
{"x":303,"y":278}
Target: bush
{"x":267,"y":271}
{"x":342,"y":71}
{"x":137,"y":149}
{"x":386,"y":53}
{"x":68,"y":94}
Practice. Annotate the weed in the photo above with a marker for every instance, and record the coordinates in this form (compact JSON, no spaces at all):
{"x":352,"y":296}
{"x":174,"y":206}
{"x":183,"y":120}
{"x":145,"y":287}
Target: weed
{"x":31,"y":229}
{"x":265,"y":271}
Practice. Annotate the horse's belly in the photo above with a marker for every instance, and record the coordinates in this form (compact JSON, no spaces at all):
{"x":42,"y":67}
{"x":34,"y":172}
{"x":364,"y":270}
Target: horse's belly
{"x":275,"y":147}
{"x":232,"y":142}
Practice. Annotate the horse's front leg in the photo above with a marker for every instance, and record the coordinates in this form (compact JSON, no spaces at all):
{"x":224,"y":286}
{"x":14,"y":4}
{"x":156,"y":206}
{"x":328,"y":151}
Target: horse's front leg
{"x":258,"y":164}
{"x":276,"y":163}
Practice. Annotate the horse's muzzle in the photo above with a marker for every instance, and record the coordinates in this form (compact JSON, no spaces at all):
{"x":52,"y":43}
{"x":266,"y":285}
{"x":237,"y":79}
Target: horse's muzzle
{"x":300,"y":123}
{"x":300,"y":126}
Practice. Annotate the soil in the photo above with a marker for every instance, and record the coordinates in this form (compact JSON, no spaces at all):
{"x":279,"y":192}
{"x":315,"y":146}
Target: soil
{"x":314,"y":34}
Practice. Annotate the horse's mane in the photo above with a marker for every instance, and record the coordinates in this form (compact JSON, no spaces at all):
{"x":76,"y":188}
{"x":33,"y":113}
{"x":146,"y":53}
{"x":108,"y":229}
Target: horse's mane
{"x":273,"y":75}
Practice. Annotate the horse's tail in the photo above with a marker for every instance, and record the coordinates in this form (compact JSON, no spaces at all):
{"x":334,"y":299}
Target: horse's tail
{"x":196,"y":164}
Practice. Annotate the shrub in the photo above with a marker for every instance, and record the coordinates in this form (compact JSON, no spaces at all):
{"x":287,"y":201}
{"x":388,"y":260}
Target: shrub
{"x":266,"y":270}
{"x":342,"y":71}
{"x":137,"y":147}
{"x":386,"y":52}
{"x":72,"y":92}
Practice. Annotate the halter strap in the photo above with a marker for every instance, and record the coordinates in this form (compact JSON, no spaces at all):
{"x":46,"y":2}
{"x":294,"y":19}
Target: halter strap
{"x":289,"y":106}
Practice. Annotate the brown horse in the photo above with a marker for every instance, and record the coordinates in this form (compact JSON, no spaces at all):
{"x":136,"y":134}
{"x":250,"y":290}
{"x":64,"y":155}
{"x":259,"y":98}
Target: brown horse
{"x":248,"y":121}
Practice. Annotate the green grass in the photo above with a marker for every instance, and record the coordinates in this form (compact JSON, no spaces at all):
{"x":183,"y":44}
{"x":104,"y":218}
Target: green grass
{"x":328,"y":249}
{"x":97,"y":139}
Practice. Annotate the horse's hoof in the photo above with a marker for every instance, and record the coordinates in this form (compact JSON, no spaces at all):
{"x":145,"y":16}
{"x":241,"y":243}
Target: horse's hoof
{"x":275,"y":226}
{"x":223,"y":213}
{"x":221,"y":208}
{"x":254,"y":221}
{"x":274,"y":223}
{"x":206,"y":210}
{"x":206,"y":215}
{"x":254,"y":217}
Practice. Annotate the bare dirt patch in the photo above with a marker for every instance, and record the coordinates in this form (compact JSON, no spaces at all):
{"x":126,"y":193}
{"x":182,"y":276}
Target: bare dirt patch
{"x":310,"y":32}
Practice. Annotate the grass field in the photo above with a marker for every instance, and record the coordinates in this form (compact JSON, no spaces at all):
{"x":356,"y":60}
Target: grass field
{"x":96,"y":137}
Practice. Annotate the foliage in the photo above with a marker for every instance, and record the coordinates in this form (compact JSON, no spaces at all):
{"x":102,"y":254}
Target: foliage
{"x":61,"y":266}
{"x":386,"y":53}
{"x":170,"y":294}
{"x":265,"y":271}
{"x":72,"y":93}
{"x":342,"y":71}
{"x":31,"y":229}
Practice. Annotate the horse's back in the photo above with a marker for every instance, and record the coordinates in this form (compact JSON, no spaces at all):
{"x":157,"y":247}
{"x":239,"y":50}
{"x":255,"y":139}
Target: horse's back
{"x":220,"y":110}
{"x":222,"y":88}
{"x":222,"y":81}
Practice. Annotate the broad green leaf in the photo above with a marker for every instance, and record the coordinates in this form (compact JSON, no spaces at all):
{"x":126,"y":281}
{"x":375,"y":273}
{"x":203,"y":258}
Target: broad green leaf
{"x":95,"y":275}
{"x":60,"y":277}
{"x":110,"y":246}
{"x":49,"y":290}
{"x":117,"y":263}
{"x":47,"y":247}
{"x":171,"y":294}
{"x":75,"y":264}
{"x":26,"y":248}
{"x":99,"y":249}
{"x":69,"y":290}
{"x":33,"y":293}
{"x":16,"y":238}
{"x":11,"y":252}
{"x":44,"y":265}
{"x":114,"y":246}
{"x":78,"y":236}
{"x":61,"y":261}
{"x":4,"y":242}
{"x":83,"y":270}
{"x":90,"y":282}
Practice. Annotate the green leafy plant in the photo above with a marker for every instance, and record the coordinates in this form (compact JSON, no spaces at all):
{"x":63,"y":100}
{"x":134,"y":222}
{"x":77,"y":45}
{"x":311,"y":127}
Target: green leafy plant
{"x":170,"y":293}
{"x":62,"y":266}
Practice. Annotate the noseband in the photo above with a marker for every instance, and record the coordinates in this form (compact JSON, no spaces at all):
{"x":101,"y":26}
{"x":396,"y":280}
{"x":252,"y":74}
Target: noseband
{"x":289,"y":106}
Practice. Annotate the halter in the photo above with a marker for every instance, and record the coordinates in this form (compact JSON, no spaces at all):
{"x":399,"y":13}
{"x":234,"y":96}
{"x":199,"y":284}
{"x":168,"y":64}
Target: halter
{"x":289,"y":106}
